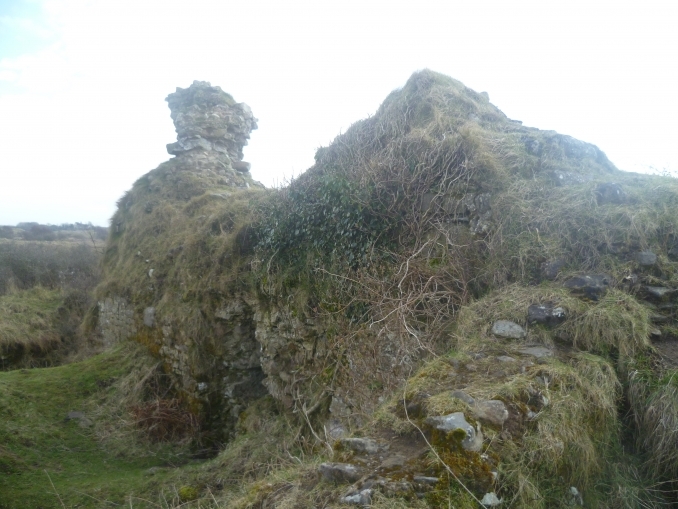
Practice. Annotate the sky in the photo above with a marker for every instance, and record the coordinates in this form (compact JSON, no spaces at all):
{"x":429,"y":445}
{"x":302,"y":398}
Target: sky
{"x":83,"y":82}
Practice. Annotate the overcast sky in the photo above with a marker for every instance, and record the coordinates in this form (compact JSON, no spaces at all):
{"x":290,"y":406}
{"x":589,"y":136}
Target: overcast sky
{"x":83,"y":82}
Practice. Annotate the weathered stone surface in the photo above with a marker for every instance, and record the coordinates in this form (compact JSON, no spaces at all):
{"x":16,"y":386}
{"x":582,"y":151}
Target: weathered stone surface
{"x":490,"y":500}
{"x":340,"y":472}
{"x":659,"y":292}
{"x":456,"y":421}
{"x":536,"y":351}
{"x":209,"y":119}
{"x":592,"y":286}
{"x":610,"y":192}
{"x":463,"y":397}
{"x":363,"y":445}
{"x":361,"y":498}
{"x":116,"y":320}
{"x":645,"y":258}
{"x":242,"y":166}
{"x":335,"y":429}
{"x":426,"y":480}
{"x":545,"y":314}
{"x":149,"y":317}
{"x":552,"y":268}
{"x":393,"y":462}
{"x":507,"y":329}
{"x":492,"y":412}
{"x":505,"y":358}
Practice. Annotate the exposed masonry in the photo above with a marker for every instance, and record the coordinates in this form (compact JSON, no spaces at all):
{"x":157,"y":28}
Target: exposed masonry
{"x":116,"y":320}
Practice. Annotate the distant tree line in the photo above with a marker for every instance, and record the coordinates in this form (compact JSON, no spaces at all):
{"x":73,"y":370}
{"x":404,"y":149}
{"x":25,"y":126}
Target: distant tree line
{"x":72,"y":266}
{"x":50,"y":232}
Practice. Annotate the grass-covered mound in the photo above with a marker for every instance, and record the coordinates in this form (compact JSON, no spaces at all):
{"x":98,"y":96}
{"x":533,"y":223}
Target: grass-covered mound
{"x":39,"y":326}
{"x":370,"y":285}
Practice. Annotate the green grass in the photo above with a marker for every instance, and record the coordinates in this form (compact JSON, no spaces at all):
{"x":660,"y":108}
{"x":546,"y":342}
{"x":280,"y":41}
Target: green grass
{"x":28,"y":325}
{"x":42,"y":454}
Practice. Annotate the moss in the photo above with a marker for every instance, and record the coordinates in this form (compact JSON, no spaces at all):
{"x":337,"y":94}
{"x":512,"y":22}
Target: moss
{"x":188,"y":493}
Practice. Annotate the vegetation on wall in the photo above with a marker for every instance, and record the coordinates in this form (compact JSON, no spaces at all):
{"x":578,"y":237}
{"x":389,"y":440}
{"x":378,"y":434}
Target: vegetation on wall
{"x":411,"y":235}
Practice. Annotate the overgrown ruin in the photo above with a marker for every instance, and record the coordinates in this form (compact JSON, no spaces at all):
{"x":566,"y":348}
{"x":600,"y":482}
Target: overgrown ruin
{"x":453,"y":306}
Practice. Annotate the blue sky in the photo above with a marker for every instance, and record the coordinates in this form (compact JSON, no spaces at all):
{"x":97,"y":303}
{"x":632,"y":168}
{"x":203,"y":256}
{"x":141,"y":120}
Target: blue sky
{"x":83,"y":82}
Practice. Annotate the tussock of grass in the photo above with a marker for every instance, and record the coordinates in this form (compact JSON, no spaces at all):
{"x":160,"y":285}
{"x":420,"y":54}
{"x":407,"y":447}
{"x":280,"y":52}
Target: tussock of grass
{"x":27,"y":318}
{"x":654,"y":400}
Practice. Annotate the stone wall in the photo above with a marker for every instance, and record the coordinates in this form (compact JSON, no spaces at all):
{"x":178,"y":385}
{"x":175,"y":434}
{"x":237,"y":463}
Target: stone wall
{"x":116,"y":320}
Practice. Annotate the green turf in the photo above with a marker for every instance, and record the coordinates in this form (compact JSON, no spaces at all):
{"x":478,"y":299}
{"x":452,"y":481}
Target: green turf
{"x":42,"y":454}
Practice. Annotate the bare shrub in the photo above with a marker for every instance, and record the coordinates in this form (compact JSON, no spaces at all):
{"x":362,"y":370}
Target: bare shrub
{"x":164,"y":420}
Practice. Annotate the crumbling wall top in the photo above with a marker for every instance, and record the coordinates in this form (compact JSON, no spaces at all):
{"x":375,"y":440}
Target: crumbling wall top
{"x":208,"y":119}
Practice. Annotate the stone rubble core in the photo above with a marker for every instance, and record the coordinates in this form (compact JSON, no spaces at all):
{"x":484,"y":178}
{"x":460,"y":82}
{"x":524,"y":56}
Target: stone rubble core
{"x":212,"y":128}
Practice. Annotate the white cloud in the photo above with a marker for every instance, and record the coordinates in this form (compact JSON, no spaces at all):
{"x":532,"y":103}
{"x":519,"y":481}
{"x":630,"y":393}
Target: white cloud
{"x":86,"y":115}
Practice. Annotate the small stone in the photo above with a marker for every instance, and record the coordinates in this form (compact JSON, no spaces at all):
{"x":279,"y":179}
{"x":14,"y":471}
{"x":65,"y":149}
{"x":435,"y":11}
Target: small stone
{"x":364,"y":445}
{"x":654,"y":318}
{"x":393,"y":461}
{"x":592,"y":286}
{"x":340,"y":472}
{"x":339,"y":408}
{"x":463,"y":397}
{"x":545,"y":314}
{"x":505,"y":358}
{"x":241,"y":166}
{"x":507,"y":329}
{"x":472,"y":442}
{"x":335,"y":429}
{"x":149,"y":316}
{"x":490,"y":500}
{"x":492,"y":412}
{"x":363,"y":498}
{"x":646,"y":258}
{"x":575,"y":497}
{"x":74,"y":415}
{"x":659,"y":292}
{"x":397,"y":488}
{"x":536,"y":351}
{"x":426,"y":480}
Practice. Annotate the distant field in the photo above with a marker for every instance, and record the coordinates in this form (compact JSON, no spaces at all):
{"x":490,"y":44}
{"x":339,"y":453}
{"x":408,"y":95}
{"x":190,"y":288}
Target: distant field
{"x":45,"y":291}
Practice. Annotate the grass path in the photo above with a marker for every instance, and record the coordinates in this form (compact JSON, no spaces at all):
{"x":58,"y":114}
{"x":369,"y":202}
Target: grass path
{"x":42,"y":453}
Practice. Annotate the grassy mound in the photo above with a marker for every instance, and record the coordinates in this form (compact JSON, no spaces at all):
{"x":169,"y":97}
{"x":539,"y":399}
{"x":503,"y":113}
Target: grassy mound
{"x":374,"y":279}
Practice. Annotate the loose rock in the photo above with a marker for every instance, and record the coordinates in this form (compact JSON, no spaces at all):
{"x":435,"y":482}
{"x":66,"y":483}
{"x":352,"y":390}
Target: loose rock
{"x":463,"y":397}
{"x":363,"y":498}
{"x":455,"y":421}
{"x":646,"y":258}
{"x":507,"y":329}
{"x":490,"y":500}
{"x":659,"y":292}
{"x":592,"y":286}
{"x":340,"y":472}
{"x":536,"y":351}
{"x":364,"y":445}
{"x":545,"y":314}
{"x":493,"y":412}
